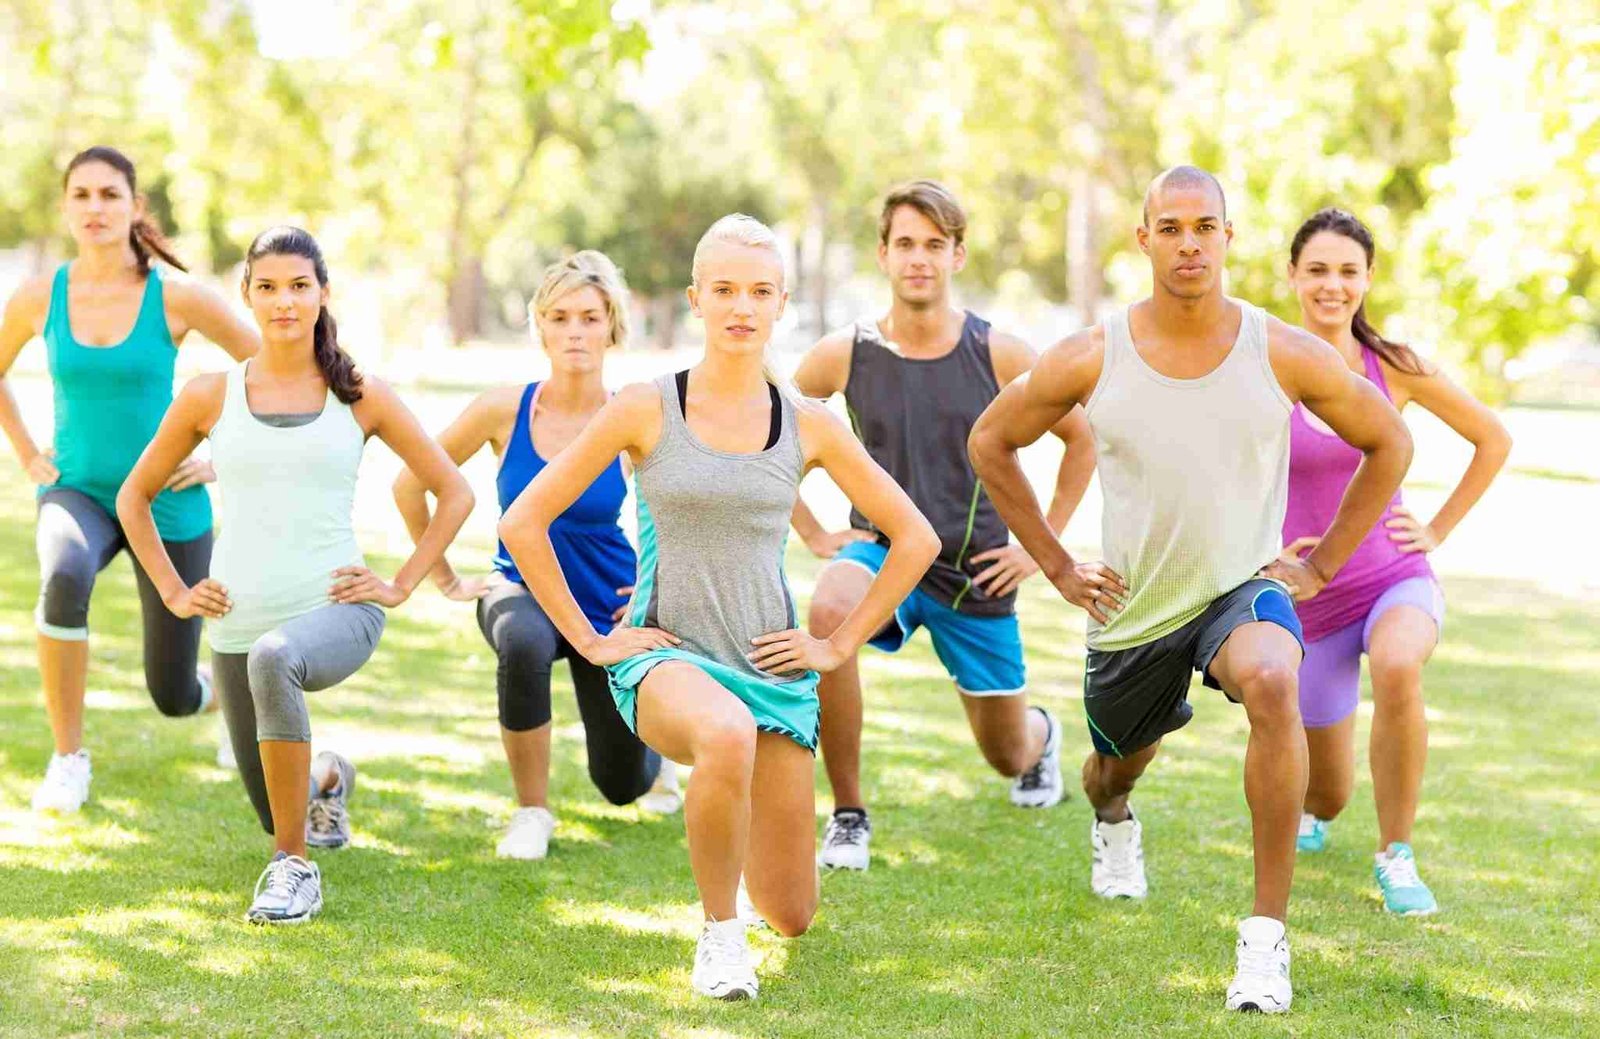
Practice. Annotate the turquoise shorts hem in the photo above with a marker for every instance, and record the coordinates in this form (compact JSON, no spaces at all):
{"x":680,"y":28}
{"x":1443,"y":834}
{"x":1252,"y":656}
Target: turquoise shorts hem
{"x":786,"y":708}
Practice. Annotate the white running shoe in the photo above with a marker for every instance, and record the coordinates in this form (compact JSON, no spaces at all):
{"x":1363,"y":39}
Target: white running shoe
{"x":225,"y":755}
{"x":846,"y":843}
{"x":289,"y":891}
{"x":66,"y":784}
{"x":1118,"y":870}
{"x":1040,"y":786}
{"x":327,"y":811}
{"x":664,"y":796}
{"x":722,"y":968}
{"x":1261,"y":982}
{"x":528,"y":836}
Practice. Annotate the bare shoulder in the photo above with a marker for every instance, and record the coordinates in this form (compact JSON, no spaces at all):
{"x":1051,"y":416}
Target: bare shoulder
{"x":1293,"y":342}
{"x":813,"y":418}
{"x":1010,"y":354}
{"x":497,"y":403}
{"x":636,"y":400}
{"x":30,"y":300}
{"x":835,"y":343}
{"x":201,"y":398}
{"x":1074,"y":361}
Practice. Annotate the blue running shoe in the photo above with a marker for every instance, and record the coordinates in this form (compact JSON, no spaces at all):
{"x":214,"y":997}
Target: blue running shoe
{"x":1404,"y":893}
{"x":1313,"y":833}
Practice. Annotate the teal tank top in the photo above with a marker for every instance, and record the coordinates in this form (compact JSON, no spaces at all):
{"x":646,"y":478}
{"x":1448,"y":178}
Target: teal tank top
{"x":109,"y":400}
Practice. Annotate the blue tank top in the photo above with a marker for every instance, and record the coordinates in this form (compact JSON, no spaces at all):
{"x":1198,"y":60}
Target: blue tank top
{"x":109,"y":400}
{"x":594,"y":553}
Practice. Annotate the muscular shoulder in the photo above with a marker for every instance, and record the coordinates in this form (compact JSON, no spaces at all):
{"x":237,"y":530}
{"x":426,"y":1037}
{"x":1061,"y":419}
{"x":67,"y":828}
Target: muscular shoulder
{"x":825,"y":368}
{"x":200,"y":400}
{"x":497,"y":404}
{"x":1070,"y":368}
{"x":1299,"y":358}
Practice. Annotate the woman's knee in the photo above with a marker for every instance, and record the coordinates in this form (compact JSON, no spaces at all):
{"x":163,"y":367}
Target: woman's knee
{"x":793,"y":918}
{"x":1396,"y":677}
{"x":726,"y":741}
{"x":64,"y":591}
{"x":277,"y":678}
{"x":176,"y":692}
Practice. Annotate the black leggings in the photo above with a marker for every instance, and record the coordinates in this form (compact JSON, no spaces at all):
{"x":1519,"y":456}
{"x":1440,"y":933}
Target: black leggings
{"x":76,"y":539}
{"x":526,"y":644}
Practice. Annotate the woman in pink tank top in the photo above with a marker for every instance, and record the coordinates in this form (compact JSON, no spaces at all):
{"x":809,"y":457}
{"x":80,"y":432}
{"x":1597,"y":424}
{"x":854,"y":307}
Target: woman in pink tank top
{"x":1385,"y":602}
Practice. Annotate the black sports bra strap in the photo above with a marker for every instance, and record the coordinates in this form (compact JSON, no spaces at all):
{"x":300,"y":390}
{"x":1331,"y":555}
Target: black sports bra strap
{"x":774,"y":429}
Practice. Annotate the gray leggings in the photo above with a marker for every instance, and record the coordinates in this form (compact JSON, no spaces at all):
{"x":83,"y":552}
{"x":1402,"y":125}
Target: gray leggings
{"x":263,"y":691}
{"x":76,"y":539}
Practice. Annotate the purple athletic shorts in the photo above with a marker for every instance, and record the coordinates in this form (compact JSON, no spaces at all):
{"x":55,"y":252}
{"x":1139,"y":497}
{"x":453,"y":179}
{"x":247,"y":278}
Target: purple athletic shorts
{"x":1330,"y":674}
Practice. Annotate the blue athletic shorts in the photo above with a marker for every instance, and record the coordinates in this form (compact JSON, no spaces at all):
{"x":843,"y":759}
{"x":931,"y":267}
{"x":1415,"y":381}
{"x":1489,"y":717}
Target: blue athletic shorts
{"x":983,"y":655}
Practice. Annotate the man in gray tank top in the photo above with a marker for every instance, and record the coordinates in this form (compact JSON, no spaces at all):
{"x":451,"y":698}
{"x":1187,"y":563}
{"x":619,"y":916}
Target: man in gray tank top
{"x":1188,"y":395}
{"x":914,"y":382}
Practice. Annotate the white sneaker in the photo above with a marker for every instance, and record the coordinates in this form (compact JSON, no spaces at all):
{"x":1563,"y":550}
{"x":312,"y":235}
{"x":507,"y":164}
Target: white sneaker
{"x":1040,"y":786}
{"x":1261,"y":982}
{"x":528,"y":836}
{"x":846,"y":843}
{"x":664,"y":796}
{"x":1118,"y":870}
{"x":289,"y":891}
{"x":66,"y":784}
{"x":722,"y":968}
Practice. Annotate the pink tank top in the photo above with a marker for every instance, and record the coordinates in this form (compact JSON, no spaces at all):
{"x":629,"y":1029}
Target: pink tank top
{"x":1320,"y":468}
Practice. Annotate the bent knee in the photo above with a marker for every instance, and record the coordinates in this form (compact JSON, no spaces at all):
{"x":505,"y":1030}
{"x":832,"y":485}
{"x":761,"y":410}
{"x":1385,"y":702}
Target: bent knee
{"x":792,"y":920}
{"x":1396,"y":677}
{"x":827,"y":613}
{"x":1010,"y":760}
{"x":1270,"y":689}
{"x":729,"y":741}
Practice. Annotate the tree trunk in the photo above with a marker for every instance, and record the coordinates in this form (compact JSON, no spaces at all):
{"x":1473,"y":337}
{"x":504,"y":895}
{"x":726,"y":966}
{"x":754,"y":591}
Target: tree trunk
{"x":464,"y":271}
{"x":819,"y":281}
{"x":1085,"y":279}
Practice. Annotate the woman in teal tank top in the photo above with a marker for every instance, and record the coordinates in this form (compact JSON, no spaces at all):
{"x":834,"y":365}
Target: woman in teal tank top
{"x":710,"y":669}
{"x":292,"y":605}
{"x":111,"y":322}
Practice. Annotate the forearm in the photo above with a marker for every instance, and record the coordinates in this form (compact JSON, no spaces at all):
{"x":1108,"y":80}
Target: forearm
{"x":1072,"y":480}
{"x":15,"y":429}
{"x":1007,"y":486}
{"x":455,"y":505}
{"x":139,"y":530}
{"x":1486,"y":463}
{"x":412,"y":502}
{"x":1370,"y":490}
{"x":804,"y":522}
{"x":535,"y":555}
{"x":908,"y":559}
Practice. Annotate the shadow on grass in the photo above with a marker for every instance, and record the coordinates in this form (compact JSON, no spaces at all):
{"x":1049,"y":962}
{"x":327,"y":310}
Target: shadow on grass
{"x":975,"y":919}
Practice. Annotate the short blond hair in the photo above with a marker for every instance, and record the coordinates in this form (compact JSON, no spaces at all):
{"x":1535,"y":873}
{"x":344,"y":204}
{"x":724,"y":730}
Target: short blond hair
{"x":592,"y":268}
{"x":740,"y":230}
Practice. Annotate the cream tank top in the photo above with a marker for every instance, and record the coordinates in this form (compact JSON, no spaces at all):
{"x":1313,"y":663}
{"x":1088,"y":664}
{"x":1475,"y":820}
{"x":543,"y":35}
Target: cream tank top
{"x":1195,"y":478}
{"x":287,"y":494}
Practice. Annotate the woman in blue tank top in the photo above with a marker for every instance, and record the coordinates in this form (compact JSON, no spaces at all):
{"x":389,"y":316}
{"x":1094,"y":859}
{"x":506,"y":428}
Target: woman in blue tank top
{"x":579,"y":312}
{"x":111,"y":322}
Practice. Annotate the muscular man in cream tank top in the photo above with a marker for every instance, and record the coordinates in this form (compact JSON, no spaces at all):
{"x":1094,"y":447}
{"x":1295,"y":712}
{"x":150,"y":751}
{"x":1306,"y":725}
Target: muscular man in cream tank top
{"x":1188,"y":394}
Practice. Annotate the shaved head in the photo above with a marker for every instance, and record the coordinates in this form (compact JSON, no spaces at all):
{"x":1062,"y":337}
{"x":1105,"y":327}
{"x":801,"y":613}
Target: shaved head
{"x":1184,"y":177}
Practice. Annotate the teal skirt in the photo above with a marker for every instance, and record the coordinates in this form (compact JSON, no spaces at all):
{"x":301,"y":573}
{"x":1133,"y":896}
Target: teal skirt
{"x":786,"y":708}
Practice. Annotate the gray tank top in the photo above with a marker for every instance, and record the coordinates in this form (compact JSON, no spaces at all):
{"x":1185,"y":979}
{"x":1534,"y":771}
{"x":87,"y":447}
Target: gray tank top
{"x":712,"y":529}
{"x":914,"y":416}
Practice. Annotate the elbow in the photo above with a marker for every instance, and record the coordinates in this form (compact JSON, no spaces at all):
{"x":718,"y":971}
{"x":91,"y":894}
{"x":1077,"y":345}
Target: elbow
{"x":924,"y":541}
{"x":1498,"y":445}
{"x":979,"y":445}
{"x":130,"y":503}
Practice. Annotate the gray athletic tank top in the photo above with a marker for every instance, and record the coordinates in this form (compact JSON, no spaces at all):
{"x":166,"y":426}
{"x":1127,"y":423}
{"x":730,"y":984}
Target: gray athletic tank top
{"x":1195,"y":474}
{"x":712,"y":529}
{"x":914,"y":416}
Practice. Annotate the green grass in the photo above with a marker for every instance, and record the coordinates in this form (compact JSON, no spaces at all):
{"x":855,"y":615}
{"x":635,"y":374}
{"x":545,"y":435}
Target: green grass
{"x":975,"y":920}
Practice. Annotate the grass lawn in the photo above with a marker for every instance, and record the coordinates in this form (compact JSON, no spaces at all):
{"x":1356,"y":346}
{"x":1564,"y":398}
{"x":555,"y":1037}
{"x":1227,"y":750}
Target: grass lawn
{"x":975,"y":920}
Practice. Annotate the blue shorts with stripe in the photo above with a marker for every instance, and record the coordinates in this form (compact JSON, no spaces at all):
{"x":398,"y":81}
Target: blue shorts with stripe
{"x":1135,"y":696}
{"x":982,"y":655}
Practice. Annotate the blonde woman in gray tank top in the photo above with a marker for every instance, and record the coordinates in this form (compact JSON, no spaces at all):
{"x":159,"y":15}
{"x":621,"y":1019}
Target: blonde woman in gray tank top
{"x":711,"y":669}
{"x":1188,"y":395}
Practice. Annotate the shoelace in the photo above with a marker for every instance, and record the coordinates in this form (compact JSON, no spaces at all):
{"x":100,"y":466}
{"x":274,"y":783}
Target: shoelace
{"x":325,"y":814}
{"x":848,"y":829}
{"x":1033,"y":779}
{"x":1401,"y":871}
{"x":721,"y":950}
{"x":280,"y":877}
{"x":1259,"y":960}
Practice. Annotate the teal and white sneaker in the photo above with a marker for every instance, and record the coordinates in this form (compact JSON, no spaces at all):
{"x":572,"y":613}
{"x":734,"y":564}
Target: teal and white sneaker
{"x":1313,"y":833}
{"x":1404,"y":893}
{"x":288,"y":892}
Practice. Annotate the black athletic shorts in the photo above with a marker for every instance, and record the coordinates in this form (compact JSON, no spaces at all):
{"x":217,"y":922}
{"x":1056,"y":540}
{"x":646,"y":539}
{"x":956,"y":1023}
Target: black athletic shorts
{"x":1135,"y":696}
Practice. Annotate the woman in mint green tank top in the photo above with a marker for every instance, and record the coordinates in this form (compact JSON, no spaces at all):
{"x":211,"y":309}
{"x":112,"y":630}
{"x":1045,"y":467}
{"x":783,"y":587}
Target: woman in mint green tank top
{"x":111,"y":323}
{"x":292,"y":605}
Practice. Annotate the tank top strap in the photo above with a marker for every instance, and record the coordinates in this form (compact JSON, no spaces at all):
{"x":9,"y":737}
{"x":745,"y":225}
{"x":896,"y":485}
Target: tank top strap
{"x":56,"y":321}
{"x":151,"y":323}
{"x":975,"y":338}
{"x":519,"y":445}
{"x":1374,"y":366}
{"x":235,"y":402}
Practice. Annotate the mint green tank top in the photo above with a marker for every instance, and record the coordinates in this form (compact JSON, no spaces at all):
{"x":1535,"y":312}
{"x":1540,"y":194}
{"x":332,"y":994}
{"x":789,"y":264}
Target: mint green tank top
{"x":287,"y":495}
{"x":109,"y":400}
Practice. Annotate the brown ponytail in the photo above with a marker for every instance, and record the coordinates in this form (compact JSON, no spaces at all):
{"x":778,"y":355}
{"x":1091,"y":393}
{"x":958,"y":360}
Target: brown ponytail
{"x":144,"y":236}
{"x":338,"y":368}
{"x":1400,"y":356}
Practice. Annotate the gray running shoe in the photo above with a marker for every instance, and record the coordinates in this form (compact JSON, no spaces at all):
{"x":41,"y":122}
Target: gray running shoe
{"x":327,"y":822}
{"x":1041,"y":786}
{"x":846,"y":843}
{"x":289,"y":891}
